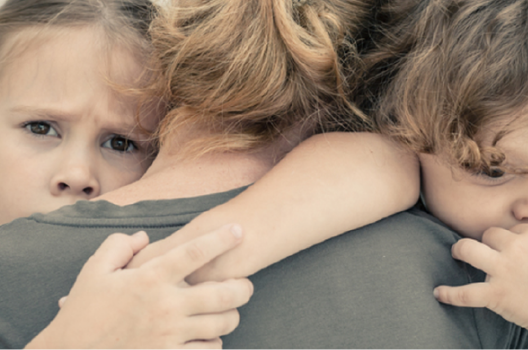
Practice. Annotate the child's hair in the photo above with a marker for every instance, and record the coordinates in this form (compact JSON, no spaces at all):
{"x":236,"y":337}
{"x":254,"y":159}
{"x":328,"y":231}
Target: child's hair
{"x":458,"y":69}
{"x":251,"y":70}
{"x":123,"y":22}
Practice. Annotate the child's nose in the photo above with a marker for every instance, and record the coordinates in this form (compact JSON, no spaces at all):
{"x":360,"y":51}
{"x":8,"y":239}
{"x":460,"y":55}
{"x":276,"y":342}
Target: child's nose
{"x":75,"y":180}
{"x":520,"y":209}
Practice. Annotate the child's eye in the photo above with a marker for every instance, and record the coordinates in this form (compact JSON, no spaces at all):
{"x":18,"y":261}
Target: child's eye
{"x":493,"y":176}
{"x":41,"y":128}
{"x":494,"y":173}
{"x":120,"y":144}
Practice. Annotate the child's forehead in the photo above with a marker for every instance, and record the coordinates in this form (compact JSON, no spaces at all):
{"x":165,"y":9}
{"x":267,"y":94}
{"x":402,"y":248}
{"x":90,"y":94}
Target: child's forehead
{"x":87,"y":45}
{"x":514,"y":144}
{"x":71,"y":73}
{"x":499,"y":128}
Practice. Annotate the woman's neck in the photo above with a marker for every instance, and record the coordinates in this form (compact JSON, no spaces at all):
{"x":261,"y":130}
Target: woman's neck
{"x":170,"y":177}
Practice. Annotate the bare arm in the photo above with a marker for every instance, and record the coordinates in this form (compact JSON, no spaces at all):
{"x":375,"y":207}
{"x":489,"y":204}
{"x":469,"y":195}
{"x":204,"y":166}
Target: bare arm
{"x":329,"y":184}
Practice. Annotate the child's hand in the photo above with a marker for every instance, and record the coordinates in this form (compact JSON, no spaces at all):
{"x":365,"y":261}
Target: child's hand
{"x":150,"y":306}
{"x":503,"y":255}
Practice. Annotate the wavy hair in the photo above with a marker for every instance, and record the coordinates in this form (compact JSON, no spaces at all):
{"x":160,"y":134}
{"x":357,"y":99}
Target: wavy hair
{"x":455,"y":73}
{"x":251,"y":71}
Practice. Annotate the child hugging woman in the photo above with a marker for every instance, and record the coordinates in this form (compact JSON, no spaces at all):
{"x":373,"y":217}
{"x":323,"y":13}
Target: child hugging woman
{"x":77,"y":133}
{"x":71,"y":131}
{"x":459,"y":100}
{"x":307,"y":102}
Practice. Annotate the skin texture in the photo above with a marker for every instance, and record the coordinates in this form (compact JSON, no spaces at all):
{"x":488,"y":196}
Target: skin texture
{"x":470,"y":204}
{"x":65,"y":130}
{"x":167,"y":313}
{"x":494,"y":211}
{"x":343,"y":177}
{"x":502,"y":255}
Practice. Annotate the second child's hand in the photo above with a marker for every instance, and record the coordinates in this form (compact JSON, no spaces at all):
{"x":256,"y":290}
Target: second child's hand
{"x":503,"y":256}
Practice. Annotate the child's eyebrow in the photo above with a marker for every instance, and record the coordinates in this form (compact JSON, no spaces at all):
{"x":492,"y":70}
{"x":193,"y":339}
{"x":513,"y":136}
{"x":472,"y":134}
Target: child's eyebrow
{"x":41,"y":112}
{"x":121,"y":126}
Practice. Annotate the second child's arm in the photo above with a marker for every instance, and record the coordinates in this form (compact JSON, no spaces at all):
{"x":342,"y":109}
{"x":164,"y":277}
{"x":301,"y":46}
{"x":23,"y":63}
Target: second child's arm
{"x":329,"y":184}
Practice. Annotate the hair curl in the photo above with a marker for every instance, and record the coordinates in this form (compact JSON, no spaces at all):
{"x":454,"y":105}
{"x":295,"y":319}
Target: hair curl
{"x":448,"y":72}
{"x":249,"y":71}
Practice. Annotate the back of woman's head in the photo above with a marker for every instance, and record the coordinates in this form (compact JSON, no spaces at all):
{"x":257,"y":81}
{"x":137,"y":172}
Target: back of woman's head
{"x":250,"y":71}
{"x":459,"y":77}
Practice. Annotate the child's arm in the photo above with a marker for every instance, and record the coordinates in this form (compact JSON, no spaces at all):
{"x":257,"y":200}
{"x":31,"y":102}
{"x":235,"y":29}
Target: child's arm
{"x":148,"y":307}
{"x":329,"y":184}
{"x":503,"y":255}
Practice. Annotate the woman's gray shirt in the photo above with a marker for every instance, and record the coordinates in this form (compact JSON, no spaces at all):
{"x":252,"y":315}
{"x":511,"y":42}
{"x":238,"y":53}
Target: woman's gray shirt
{"x":369,"y":288}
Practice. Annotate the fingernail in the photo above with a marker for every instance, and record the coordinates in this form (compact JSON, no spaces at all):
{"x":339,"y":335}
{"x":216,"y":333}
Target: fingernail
{"x":236,"y":230}
{"x":435,"y":293}
{"x":62,"y":301}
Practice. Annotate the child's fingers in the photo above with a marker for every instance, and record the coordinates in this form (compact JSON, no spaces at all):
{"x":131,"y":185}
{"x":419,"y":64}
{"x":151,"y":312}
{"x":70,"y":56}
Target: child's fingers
{"x":187,"y":258}
{"x":212,"y":297}
{"x":116,"y":251}
{"x":209,"y":326}
{"x":519,"y":229}
{"x":497,"y":238}
{"x":471,"y":295}
{"x":476,"y":254}
{"x":62,"y":301}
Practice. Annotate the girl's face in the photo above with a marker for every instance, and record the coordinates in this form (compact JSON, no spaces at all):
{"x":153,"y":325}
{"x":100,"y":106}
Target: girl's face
{"x":66,"y":134}
{"x":470,"y":204}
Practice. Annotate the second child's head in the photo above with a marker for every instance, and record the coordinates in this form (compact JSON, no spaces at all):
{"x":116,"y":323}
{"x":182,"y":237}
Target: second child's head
{"x":460,"y":100}
{"x":69,"y":129}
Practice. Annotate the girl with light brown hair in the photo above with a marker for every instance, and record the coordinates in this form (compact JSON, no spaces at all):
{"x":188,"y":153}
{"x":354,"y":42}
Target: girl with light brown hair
{"x":69,"y":134}
{"x":455,"y":92}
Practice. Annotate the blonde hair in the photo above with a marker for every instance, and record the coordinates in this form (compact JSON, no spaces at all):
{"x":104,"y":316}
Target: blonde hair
{"x":458,"y":71}
{"x":125,"y":22}
{"x":122,"y":22}
{"x":250,"y":71}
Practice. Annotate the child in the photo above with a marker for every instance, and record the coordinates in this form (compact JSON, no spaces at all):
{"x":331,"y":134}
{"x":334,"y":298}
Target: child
{"x":459,"y":100}
{"x":67,"y":133}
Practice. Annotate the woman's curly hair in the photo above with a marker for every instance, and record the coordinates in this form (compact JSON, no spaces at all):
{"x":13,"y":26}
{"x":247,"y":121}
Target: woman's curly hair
{"x":250,"y":71}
